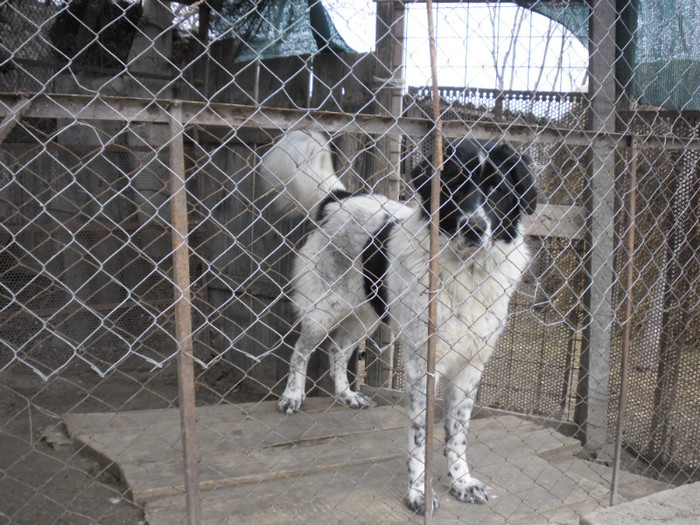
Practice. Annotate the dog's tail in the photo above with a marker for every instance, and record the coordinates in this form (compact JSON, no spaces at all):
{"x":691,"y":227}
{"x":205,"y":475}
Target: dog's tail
{"x":298,"y":168}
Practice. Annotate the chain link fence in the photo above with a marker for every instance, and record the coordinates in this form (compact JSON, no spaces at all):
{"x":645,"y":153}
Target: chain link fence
{"x":145,"y":268}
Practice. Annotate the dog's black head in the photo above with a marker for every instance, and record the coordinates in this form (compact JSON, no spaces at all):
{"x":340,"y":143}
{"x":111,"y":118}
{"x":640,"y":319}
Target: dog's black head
{"x":485,"y":189}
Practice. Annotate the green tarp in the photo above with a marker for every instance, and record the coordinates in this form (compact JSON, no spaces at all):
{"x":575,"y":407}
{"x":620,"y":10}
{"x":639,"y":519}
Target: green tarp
{"x":660,"y":42}
{"x":278,"y":28}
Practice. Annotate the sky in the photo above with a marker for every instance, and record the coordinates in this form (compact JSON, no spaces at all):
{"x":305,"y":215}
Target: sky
{"x":481,"y":46}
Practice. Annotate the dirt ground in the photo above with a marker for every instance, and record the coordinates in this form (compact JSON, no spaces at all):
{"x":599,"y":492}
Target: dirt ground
{"x":44,"y":478}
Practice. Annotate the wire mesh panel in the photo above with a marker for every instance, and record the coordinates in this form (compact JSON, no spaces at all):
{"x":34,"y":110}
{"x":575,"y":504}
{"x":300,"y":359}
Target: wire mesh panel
{"x":219,"y":296}
{"x":663,"y":328}
{"x":74,"y":284}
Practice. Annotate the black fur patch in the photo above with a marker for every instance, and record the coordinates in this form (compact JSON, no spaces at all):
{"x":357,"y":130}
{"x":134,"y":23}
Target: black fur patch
{"x":375,"y":263}
{"x":334,"y":196}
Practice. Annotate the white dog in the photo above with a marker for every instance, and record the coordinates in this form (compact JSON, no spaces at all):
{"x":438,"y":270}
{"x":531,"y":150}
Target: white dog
{"x":367,"y":261}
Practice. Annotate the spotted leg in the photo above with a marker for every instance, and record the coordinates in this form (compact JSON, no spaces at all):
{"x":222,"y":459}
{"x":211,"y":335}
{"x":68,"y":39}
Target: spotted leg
{"x":415,"y":394}
{"x":460,"y":401}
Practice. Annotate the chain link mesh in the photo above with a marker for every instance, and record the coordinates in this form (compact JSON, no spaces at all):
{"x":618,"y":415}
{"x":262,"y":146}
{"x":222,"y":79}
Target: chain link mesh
{"x":89,"y":368}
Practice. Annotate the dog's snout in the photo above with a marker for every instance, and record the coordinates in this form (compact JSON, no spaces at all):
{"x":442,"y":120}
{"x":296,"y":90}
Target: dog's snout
{"x":474,"y":230}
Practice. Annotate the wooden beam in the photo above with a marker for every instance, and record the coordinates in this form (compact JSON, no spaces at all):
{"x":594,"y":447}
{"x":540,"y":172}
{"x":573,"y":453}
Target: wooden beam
{"x":394,"y":397}
{"x":124,"y":109}
{"x":385,"y":174}
{"x":183,"y":317}
{"x":389,"y":76}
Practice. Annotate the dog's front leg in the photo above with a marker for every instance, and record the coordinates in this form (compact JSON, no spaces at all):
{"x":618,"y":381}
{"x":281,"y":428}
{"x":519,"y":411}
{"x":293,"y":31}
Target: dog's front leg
{"x":460,"y":401}
{"x":295,"y":392}
{"x":416,"y":401}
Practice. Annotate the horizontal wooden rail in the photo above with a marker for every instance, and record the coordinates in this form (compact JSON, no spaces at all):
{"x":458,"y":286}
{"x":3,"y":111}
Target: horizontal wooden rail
{"x":85,"y":107}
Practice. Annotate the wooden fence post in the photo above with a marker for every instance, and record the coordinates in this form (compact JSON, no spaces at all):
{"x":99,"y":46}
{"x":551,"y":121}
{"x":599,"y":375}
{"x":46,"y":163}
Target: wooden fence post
{"x":386,"y":175}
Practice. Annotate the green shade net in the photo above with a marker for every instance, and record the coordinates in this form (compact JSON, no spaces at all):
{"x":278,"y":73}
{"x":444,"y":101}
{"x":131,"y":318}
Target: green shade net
{"x":278,"y":28}
{"x":667,"y":68}
{"x":660,"y":43}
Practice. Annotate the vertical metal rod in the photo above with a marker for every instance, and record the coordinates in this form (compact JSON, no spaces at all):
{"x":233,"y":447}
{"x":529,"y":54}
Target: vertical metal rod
{"x":432,"y":271}
{"x":183,"y":315}
{"x":624,"y":364}
{"x":256,"y":87}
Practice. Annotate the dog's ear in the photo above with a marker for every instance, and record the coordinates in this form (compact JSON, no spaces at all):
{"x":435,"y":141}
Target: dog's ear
{"x":516,"y":169}
{"x":420,"y":177}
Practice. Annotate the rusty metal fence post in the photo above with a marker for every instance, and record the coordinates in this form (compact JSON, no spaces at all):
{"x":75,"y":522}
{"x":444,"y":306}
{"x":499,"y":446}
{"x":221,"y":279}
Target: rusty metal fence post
{"x":183,"y":314}
{"x":432,"y":269}
{"x":629,"y":310}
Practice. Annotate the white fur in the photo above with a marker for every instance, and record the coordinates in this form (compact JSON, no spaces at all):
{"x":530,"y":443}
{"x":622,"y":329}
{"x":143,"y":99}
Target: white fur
{"x":475,"y":286}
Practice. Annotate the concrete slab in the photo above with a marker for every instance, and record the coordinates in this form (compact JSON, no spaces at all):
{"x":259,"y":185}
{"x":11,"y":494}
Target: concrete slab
{"x":629,"y":486}
{"x":677,"y":506}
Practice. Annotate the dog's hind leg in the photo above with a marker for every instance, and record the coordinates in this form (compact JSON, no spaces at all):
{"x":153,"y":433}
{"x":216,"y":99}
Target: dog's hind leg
{"x":343,"y":342}
{"x":460,"y":401}
{"x":311,"y":336}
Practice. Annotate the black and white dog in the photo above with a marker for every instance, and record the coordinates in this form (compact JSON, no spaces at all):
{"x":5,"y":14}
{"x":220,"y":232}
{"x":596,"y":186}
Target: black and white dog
{"x":367,"y":261}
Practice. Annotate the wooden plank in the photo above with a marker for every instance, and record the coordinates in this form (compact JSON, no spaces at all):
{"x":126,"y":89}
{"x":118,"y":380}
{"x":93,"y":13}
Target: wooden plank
{"x":253,"y":443}
{"x":630,"y":486}
{"x":524,"y":489}
{"x":385,"y":165}
{"x":148,"y":481}
{"x":82,"y":107}
{"x":322,"y":411}
{"x":139,"y":420}
{"x":12,"y":117}
{"x":393,"y":397}
{"x":330,"y":464}
{"x":236,"y":446}
{"x":124,"y":109}
{"x":326,"y":498}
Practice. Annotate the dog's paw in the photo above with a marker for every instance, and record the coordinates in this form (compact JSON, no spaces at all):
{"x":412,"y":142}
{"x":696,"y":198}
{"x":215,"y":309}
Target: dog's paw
{"x":470,"y":492}
{"x":353,"y":399}
{"x":416,"y":502}
{"x":289,"y":405}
